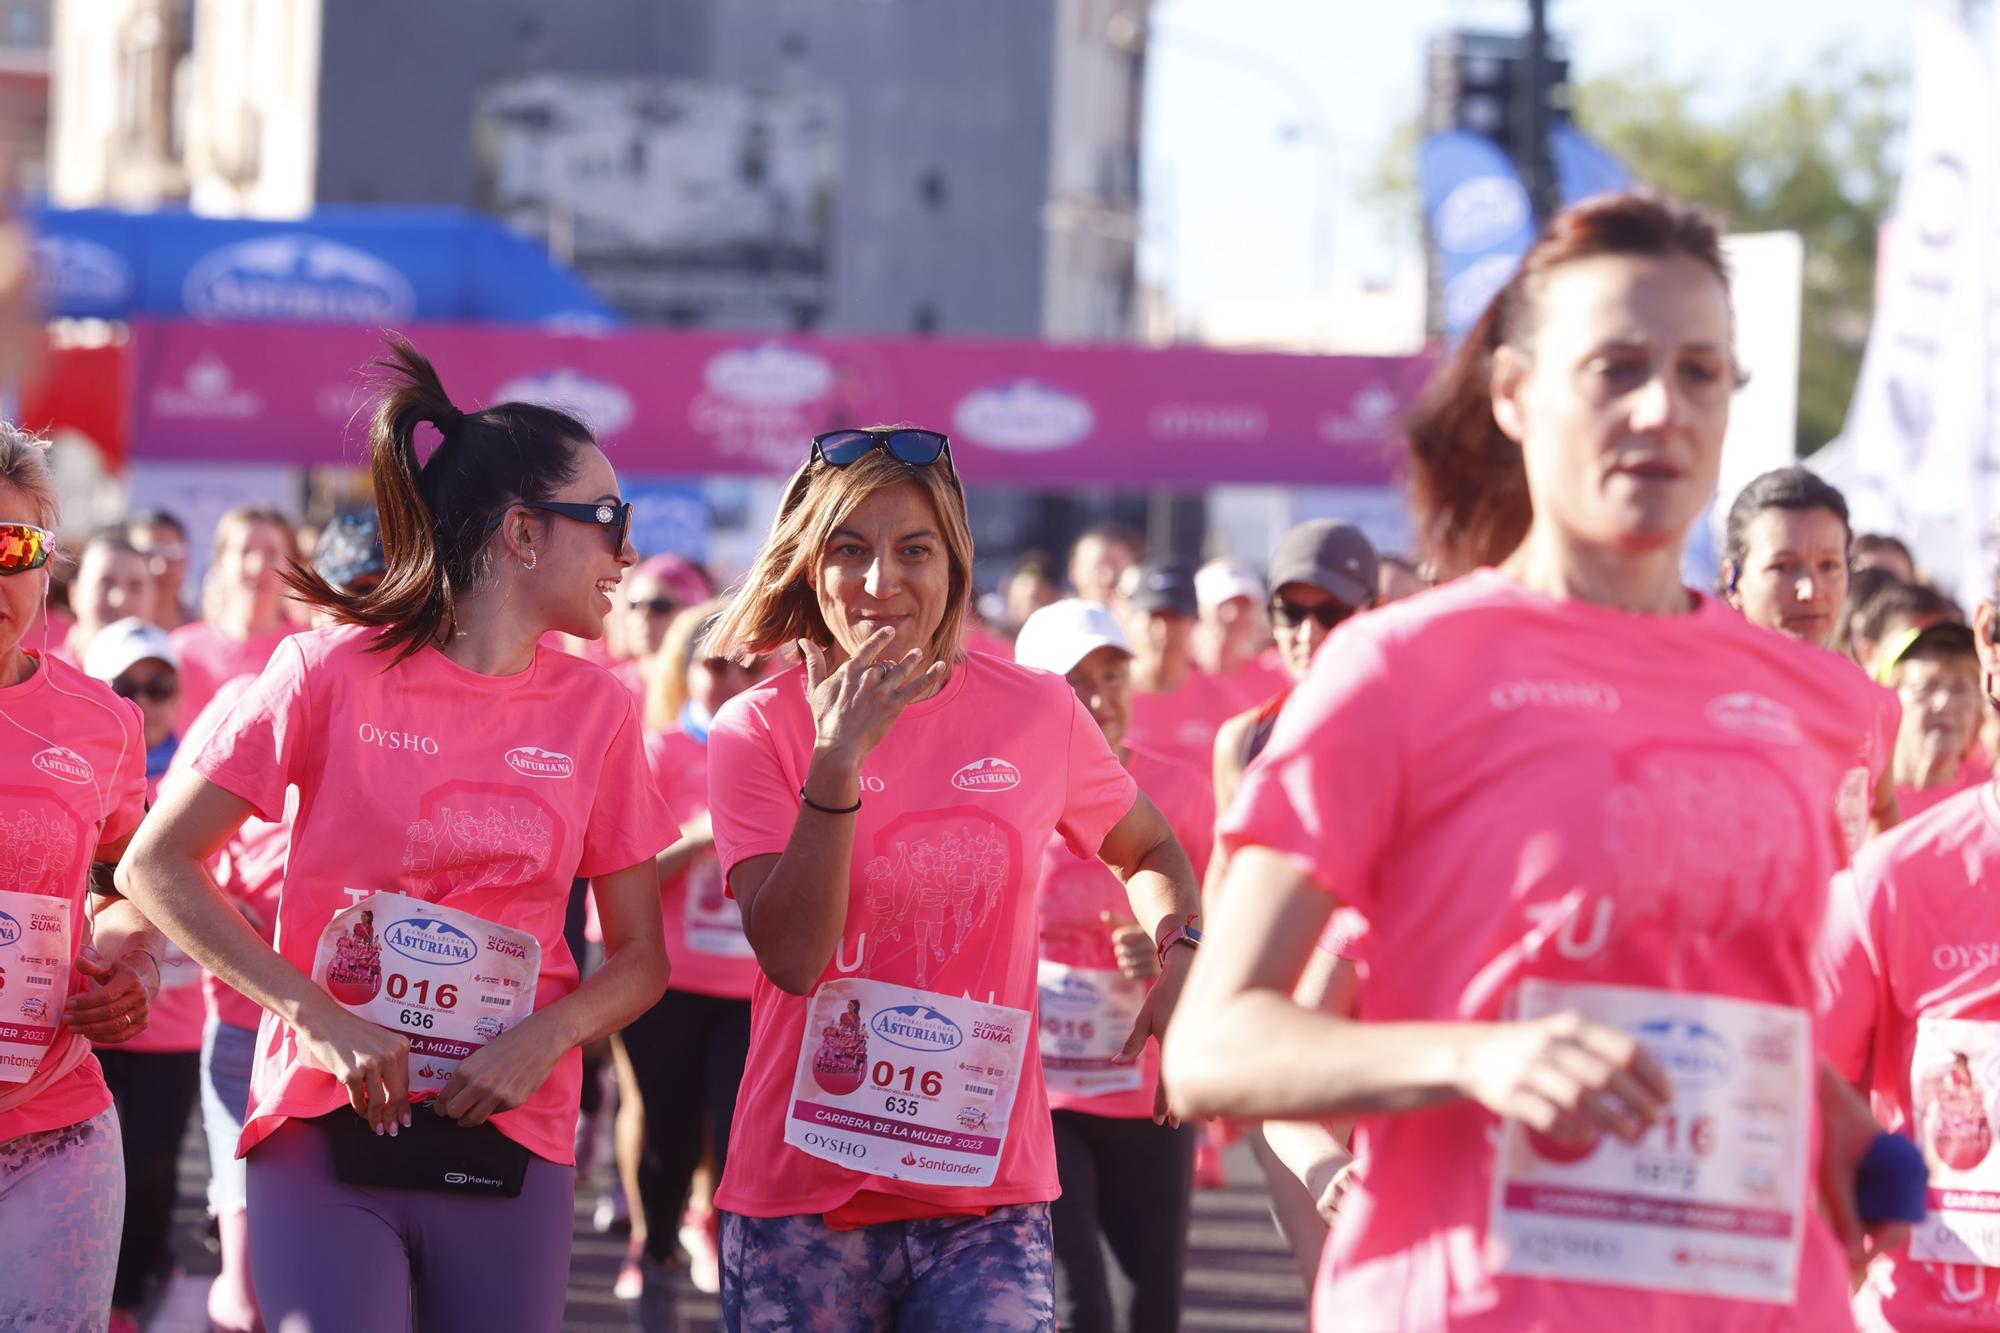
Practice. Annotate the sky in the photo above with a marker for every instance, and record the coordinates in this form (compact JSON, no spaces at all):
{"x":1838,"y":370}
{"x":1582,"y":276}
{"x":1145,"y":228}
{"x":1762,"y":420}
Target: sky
{"x":1263,"y":116}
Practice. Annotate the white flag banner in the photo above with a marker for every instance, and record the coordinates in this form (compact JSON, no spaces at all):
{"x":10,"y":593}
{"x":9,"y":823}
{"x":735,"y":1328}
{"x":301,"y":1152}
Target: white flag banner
{"x":1915,"y":456}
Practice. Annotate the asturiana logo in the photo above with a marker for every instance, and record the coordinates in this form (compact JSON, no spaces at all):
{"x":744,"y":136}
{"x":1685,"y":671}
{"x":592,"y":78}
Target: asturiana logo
{"x":535,"y":762}
{"x":916,"y":1027}
{"x":428,"y":940}
{"x":604,"y":406}
{"x":1755,"y":716}
{"x":10,"y":930}
{"x":60,"y":762}
{"x":1024,"y":416}
{"x":987,"y":774}
{"x":300,"y":278}
{"x":1696,"y":1057}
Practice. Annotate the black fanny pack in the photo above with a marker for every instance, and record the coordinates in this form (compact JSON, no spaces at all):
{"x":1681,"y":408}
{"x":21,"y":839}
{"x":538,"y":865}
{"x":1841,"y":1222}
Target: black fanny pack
{"x":434,"y":1153}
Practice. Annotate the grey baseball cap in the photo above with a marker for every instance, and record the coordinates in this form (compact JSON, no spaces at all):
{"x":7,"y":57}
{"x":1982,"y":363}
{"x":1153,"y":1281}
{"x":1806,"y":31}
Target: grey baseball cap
{"x":1329,"y":554}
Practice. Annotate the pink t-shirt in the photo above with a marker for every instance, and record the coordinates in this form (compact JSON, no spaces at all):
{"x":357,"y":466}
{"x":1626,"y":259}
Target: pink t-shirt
{"x":1182,"y":724}
{"x":957,"y":802}
{"x":1910,"y":939}
{"x":1077,"y":890}
{"x":74,"y":756}
{"x":1508,"y":787}
{"x":210,"y":657}
{"x":489,"y":794}
{"x":703,"y":923}
{"x":250,"y":868}
{"x":1913,"y":801}
{"x":1255,"y":681}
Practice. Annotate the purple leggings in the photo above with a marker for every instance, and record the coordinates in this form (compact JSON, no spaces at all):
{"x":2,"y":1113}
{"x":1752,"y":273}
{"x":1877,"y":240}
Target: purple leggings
{"x":330,"y":1257}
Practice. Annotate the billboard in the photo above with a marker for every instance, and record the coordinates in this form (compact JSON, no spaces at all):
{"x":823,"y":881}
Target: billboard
{"x":681,"y":203}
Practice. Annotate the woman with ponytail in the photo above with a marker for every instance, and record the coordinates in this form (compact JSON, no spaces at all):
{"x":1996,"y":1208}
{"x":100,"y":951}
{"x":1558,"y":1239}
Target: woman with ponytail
{"x":1586,"y":813}
{"x":417,"y":1077}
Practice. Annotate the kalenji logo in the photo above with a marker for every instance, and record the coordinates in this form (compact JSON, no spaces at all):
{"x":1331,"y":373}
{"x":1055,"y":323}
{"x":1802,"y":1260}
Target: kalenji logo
{"x":987,"y":775}
{"x":531,"y":761}
{"x":66,"y":764}
{"x":1755,"y":716}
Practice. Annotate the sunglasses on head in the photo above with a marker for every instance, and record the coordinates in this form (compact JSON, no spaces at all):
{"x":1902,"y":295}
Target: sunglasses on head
{"x":158,"y":690}
{"x":23,"y":547}
{"x":1290,"y":615}
{"x":617,"y":517}
{"x":844,"y":448}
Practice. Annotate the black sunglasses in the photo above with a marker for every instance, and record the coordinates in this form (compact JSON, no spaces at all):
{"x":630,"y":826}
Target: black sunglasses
{"x":654,"y":606}
{"x":1290,"y":615}
{"x":159,"y":689}
{"x":844,"y":448}
{"x":617,"y":517}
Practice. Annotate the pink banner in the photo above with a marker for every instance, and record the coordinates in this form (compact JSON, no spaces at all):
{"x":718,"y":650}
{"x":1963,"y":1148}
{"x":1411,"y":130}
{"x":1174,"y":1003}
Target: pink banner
{"x":688,"y":404}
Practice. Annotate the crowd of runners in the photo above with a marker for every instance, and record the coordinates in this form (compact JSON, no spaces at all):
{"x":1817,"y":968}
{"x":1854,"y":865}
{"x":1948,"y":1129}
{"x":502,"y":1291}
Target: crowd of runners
{"x":1564,"y":942}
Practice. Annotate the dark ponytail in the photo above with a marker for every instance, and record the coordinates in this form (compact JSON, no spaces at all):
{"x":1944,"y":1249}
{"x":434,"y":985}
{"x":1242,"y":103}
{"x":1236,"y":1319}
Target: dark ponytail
{"x":1468,"y":483}
{"x":437,"y":515}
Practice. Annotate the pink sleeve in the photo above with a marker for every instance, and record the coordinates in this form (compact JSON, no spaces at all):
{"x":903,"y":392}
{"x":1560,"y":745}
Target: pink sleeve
{"x":1326,"y":791}
{"x":751,"y":801}
{"x":128,"y":805}
{"x":1888,"y":721}
{"x":1100,"y":791}
{"x":1193,"y":823}
{"x":629,"y":821}
{"x":258,"y":748}
{"x":1848,"y":975}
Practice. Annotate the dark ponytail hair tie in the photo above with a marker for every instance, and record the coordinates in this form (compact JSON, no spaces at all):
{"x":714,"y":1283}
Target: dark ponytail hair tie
{"x":448,"y":420}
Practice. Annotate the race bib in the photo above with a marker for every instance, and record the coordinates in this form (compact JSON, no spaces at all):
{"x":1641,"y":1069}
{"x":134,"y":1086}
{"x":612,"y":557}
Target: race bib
{"x":1087,"y":1015}
{"x":1954,"y":1073}
{"x":899,"y":1082}
{"x":447,"y":980}
{"x":34,"y":979}
{"x":1712,"y":1200}
{"x":712,"y":919}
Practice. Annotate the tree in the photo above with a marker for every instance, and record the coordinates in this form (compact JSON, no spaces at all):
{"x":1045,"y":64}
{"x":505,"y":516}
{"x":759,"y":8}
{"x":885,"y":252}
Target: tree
{"x":1815,"y":157}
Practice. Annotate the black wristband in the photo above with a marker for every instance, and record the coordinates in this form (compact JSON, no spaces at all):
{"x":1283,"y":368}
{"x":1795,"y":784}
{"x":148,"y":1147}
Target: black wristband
{"x":829,"y":809}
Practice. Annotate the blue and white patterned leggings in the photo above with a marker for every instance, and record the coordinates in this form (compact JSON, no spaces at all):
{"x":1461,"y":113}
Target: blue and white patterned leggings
{"x":62,"y":1205}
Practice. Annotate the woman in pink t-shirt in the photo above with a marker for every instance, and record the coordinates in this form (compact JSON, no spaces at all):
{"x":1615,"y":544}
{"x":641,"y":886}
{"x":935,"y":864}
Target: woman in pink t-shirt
{"x":1127,"y":1180}
{"x":880,"y":813}
{"x":452,"y":780}
{"x":680,"y":1062}
{"x":77,"y":966}
{"x":1587,"y":816}
{"x":1785,"y":566}
{"x":244,"y":605}
{"x":1913,"y":972}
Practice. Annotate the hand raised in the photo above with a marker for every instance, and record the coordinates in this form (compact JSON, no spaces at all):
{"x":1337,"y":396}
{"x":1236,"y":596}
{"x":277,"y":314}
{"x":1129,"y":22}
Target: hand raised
{"x":855,"y":703}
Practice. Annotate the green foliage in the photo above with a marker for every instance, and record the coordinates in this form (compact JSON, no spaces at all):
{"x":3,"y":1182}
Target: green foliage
{"x":1813,"y":157}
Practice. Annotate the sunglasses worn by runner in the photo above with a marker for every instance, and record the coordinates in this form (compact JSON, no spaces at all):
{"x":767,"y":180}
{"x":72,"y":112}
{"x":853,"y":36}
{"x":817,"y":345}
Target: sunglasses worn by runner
{"x":617,"y":517}
{"x":157,"y":690}
{"x":23,"y":547}
{"x":1290,"y":615}
{"x":844,"y":448}
{"x":654,"y":606}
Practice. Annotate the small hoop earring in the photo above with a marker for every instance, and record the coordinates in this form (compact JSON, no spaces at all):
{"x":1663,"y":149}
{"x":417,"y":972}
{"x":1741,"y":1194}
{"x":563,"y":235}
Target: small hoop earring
{"x":529,"y":563}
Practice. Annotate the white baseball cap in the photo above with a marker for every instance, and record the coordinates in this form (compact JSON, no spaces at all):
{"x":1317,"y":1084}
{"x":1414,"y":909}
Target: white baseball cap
{"x":1063,"y":633}
{"x":115,"y":648}
{"x":1219,"y":580}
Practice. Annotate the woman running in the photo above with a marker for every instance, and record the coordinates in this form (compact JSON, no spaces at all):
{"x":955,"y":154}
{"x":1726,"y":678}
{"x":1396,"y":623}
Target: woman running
{"x":1583,"y":811}
{"x":1785,"y":567}
{"x":1126,"y":1179}
{"x":243,"y":605}
{"x":880,"y":813}
{"x":680,"y":1062}
{"x":78,"y":966}
{"x":1915,"y":1020}
{"x":452,"y":779}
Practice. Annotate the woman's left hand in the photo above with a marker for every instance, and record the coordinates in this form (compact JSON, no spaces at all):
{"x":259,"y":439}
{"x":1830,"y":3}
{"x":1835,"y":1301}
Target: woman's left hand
{"x":116,"y":998}
{"x":500,"y":1075}
{"x":1850,"y":1131}
{"x":1154,"y":1015}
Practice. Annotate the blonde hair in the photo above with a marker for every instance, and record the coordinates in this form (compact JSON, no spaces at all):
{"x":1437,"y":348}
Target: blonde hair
{"x":24,"y":465}
{"x":775,"y":604}
{"x":666,"y":671}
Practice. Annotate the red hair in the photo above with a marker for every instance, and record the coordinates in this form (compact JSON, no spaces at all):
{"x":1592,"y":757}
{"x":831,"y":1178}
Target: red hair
{"x":1468,"y":484}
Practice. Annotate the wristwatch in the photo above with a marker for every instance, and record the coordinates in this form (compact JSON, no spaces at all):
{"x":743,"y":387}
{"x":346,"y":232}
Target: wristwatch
{"x":1185,"y":933}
